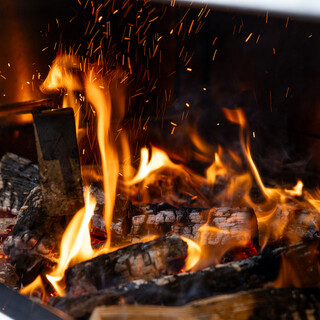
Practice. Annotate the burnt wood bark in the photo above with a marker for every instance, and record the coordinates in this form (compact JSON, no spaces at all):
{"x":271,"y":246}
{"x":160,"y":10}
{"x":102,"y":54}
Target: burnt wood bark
{"x":229,"y":224}
{"x":252,"y":273}
{"x":34,"y":241}
{"x":146,"y":261}
{"x":268,"y":303}
{"x":18,"y":176}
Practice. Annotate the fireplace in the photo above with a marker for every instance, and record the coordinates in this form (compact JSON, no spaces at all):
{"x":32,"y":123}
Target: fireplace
{"x":164,"y":163}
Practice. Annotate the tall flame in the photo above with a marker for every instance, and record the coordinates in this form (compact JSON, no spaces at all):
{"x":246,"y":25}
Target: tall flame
{"x":75,"y":243}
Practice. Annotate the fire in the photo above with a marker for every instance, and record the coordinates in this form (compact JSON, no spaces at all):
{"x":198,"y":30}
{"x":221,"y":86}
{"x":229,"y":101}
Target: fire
{"x":35,"y":286}
{"x":217,"y":168}
{"x":296,"y":190}
{"x":273,"y":214}
{"x":159,"y":159}
{"x":237,"y":116}
{"x":109,"y":157}
{"x":194,"y":253}
{"x":75,"y":243}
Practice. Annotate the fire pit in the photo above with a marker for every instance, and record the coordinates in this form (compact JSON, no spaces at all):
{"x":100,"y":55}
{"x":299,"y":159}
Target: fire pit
{"x":169,"y":170}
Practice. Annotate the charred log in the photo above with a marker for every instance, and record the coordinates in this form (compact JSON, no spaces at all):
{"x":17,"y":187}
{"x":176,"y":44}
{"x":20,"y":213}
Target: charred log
{"x":18,"y":176}
{"x":270,"y":303}
{"x":178,"y":290}
{"x":146,"y":261}
{"x":34,"y":241}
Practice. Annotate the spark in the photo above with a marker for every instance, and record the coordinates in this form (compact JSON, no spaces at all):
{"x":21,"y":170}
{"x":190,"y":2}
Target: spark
{"x":214,"y":41}
{"x":189,"y":69}
{"x":45,"y":48}
{"x":187,"y":104}
{"x":287,"y":92}
{"x":249,"y":36}
{"x":214,"y":55}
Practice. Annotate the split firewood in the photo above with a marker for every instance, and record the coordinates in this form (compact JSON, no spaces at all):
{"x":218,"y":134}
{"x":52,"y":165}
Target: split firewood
{"x":18,"y":176}
{"x":267,"y":303}
{"x":146,"y":261}
{"x":251,"y":273}
{"x":216,"y":226}
{"x":34,"y":241}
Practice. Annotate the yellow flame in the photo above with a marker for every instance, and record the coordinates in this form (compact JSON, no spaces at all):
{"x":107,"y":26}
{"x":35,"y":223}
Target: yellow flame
{"x":64,"y":76}
{"x":75,"y":243}
{"x":217,"y":168}
{"x":101,"y":101}
{"x":159,"y":159}
{"x":296,"y":190}
{"x":194,"y":253}
{"x":237,"y":116}
{"x":36,"y":285}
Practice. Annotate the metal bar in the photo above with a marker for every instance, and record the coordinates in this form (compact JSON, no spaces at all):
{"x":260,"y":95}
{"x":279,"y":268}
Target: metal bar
{"x":18,"y":307}
{"x":303,"y":8}
{"x":26,"y":107}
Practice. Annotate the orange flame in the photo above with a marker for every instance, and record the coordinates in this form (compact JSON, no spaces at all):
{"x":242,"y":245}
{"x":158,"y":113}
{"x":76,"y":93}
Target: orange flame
{"x":75,"y":243}
{"x":194,"y":253}
{"x":159,"y":159}
{"x":296,"y":190}
{"x":237,"y":116}
{"x":217,"y":168}
{"x":109,"y":156}
{"x":35,"y":286}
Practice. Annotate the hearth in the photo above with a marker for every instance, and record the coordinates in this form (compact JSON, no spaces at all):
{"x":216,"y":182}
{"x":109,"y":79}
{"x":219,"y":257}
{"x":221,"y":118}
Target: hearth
{"x":168,"y":168}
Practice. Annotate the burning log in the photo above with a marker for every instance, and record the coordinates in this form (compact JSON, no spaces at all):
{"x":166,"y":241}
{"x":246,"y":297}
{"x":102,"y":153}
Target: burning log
{"x":220,"y":225}
{"x":251,"y":273}
{"x":18,"y":176}
{"x":34,"y":240}
{"x":269,"y":303}
{"x":146,"y":261}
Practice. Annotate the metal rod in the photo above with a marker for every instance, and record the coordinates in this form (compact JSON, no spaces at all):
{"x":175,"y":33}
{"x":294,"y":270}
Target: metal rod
{"x":26,"y":107}
{"x":303,"y":8}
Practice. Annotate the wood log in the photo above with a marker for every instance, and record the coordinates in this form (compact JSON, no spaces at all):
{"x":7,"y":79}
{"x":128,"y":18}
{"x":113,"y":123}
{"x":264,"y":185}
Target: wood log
{"x":267,"y":303}
{"x":34,"y":241}
{"x":146,"y":261}
{"x":252,"y":273}
{"x":8,"y":275}
{"x":18,"y":176}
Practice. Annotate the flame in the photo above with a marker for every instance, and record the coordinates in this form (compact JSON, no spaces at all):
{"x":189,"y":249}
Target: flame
{"x":217,"y":168}
{"x":194,"y":253}
{"x":64,"y":77}
{"x":296,"y":190}
{"x":159,"y":159}
{"x":75,"y":243}
{"x":101,"y":101}
{"x":299,"y":270}
{"x":35,"y":286}
{"x":237,"y":116}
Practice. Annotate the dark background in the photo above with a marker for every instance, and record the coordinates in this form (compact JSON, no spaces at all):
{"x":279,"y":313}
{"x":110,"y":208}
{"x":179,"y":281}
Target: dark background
{"x":275,"y":80}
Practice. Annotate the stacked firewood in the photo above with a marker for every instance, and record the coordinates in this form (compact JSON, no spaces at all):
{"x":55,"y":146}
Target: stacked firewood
{"x":152,"y":272}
